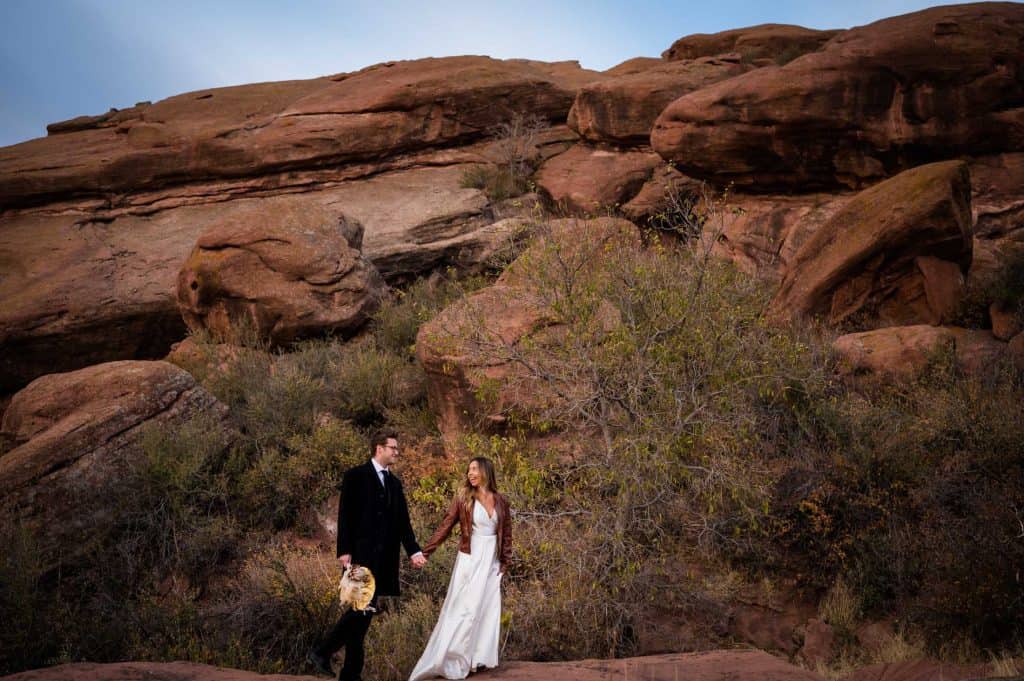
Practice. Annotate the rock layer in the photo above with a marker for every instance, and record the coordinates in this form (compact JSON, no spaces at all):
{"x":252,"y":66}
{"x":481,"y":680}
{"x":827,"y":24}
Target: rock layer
{"x":776,"y":42}
{"x":251,"y":130}
{"x":875,"y":100}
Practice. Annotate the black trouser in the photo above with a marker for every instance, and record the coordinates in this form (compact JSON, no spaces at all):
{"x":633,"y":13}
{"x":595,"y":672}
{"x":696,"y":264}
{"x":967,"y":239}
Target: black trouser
{"x":350,"y":631}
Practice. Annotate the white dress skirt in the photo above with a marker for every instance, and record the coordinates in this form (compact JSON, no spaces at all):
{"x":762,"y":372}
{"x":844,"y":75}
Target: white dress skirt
{"x":466,"y":634}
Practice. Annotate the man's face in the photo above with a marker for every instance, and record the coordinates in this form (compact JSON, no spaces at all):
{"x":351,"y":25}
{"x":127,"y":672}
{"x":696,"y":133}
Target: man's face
{"x":387,"y":453}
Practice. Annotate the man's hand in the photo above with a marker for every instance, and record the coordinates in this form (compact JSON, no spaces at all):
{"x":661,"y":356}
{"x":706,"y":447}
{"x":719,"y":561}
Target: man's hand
{"x":418,"y":561}
{"x":346,"y":560}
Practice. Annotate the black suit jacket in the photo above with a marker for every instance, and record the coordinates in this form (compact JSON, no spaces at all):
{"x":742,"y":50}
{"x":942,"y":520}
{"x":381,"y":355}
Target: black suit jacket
{"x":373,"y":523}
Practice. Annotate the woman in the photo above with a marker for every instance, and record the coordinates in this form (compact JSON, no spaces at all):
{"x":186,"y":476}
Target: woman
{"x":465,"y":638}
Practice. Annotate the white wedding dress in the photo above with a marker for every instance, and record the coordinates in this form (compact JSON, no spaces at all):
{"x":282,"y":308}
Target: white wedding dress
{"x":466,"y":634}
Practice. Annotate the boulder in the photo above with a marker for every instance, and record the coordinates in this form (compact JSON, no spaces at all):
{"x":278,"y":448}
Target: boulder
{"x":778,"y":43}
{"x":819,"y":643}
{"x":1007,"y":319}
{"x":894,"y":254}
{"x":283,"y":275}
{"x":622,"y":110}
{"x":252,"y":130}
{"x":73,"y":433}
{"x":594,"y":179}
{"x":936,"y":84}
{"x":903,"y":351}
{"x":468,"y":350}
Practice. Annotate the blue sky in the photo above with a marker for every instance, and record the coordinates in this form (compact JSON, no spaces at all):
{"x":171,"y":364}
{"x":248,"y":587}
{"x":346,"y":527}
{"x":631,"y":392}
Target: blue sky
{"x":64,"y":58}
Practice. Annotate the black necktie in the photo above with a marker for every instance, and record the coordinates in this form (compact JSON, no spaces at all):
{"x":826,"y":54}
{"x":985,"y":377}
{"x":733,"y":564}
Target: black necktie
{"x":387,"y":491}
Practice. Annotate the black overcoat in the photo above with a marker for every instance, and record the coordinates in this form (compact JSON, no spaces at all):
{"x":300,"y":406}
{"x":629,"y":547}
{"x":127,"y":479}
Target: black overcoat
{"x":373,"y":523}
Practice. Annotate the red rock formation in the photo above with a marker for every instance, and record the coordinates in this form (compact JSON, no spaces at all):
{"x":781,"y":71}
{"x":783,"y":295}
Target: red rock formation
{"x":284,"y":274}
{"x":875,"y":100}
{"x":591,"y":179}
{"x":894,"y":254}
{"x":622,"y":110}
{"x":90,"y":276}
{"x":777,"y":42}
{"x":257,"y":129}
{"x":73,"y":433}
{"x":903,"y":351}
{"x":634,"y":65}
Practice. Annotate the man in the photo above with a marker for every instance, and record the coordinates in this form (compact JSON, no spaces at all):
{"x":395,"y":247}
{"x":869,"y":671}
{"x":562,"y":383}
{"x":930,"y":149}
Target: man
{"x":373,"y":519}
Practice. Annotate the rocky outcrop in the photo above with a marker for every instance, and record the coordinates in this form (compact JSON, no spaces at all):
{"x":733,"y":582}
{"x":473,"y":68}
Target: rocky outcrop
{"x":717,"y":665}
{"x":878,"y":99}
{"x":998,"y":203}
{"x":894,"y":254}
{"x":591,"y":179}
{"x":468,"y":351}
{"x":283,"y":275}
{"x":97,"y":219}
{"x":73,"y":433}
{"x":778,"y":43}
{"x":903,"y":351}
{"x":252,"y":130}
{"x":622,"y":110}
{"x":79,"y":290}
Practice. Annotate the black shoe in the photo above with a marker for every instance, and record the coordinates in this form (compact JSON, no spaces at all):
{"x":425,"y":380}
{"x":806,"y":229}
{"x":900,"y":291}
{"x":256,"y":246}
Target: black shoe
{"x":321,"y":663}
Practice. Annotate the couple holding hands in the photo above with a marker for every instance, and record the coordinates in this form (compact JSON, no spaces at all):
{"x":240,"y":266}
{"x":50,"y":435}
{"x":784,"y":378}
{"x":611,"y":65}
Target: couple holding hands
{"x":373,"y":520}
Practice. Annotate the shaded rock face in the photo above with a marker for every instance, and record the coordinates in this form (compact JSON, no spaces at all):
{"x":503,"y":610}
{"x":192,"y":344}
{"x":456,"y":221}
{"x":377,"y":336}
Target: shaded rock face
{"x":284,"y":274}
{"x":904,"y":351}
{"x":761,"y":234}
{"x":894,"y":254}
{"x":622,"y":110}
{"x":776,"y":42}
{"x":72,"y":434}
{"x":465,"y":350}
{"x":875,"y":100}
{"x":271,"y":127}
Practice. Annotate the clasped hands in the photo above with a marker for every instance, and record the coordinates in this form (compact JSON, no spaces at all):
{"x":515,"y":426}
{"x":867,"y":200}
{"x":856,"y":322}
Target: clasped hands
{"x":418,"y":561}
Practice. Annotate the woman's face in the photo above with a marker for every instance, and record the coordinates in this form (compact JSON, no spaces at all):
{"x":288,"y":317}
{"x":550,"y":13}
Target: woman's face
{"x":474,"y":473}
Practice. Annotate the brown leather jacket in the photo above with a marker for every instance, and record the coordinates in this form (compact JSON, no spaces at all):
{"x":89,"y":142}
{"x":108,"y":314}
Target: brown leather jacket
{"x":456,"y":511}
